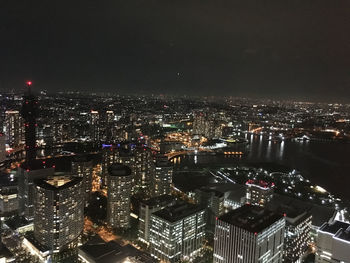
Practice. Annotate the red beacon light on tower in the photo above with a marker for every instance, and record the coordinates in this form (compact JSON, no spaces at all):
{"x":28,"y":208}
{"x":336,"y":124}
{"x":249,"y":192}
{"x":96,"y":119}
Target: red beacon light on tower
{"x":29,"y":83}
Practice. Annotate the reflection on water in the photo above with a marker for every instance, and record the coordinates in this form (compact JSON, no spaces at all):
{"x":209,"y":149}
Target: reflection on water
{"x":325,"y":163}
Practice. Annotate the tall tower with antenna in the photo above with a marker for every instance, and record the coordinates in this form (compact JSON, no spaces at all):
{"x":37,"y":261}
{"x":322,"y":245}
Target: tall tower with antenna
{"x":29,"y":114}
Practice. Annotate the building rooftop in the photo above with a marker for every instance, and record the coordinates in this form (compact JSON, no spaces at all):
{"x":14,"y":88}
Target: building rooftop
{"x":119,"y":170}
{"x":100,"y":251}
{"x":339,"y":229}
{"x":251,"y":218}
{"x":159,"y":200}
{"x":286,"y":204}
{"x":56,"y":183}
{"x":177,"y":212}
{"x":260,"y":183}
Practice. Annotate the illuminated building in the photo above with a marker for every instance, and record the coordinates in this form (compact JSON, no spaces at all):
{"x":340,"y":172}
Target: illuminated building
{"x":214,"y":202}
{"x":94,"y":126}
{"x":249,"y":234}
{"x":119,"y":183}
{"x":2,"y":148}
{"x":333,"y":243}
{"x":297,"y":236}
{"x":146,"y":209}
{"x":27,"y":173}
{"x":59,"y":212}
{"x":163,"y":176}
{"x":82,"y":167}
{"x":96,"y":250}
{"x":125,"y":156}
{"x":177,"y":232}
{"x":29,"y":113}
{"x":109,"y":156}
{"x":259,"y":192}
{"x":144,"y":167}
{"x":13,"y":128}
{"x":8,"y":195}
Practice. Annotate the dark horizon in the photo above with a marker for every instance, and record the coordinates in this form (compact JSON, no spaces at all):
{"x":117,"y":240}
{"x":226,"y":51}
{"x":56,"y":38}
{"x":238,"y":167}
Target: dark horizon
{"x":291,"y":51}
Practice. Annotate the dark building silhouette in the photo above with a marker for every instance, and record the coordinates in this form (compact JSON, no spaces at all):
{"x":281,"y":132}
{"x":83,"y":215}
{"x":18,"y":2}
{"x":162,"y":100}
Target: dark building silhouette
{"x":29,"y":113}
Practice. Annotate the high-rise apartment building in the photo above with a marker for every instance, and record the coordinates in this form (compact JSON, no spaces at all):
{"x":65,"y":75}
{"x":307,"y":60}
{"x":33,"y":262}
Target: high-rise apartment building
{"x":119,"y":185}
{"x":177,"y":232}
{"x":146,"y":209}
{"x":249,"y":234}
{"x":163,"y":176}
{"x":13,"y":128}
{"x":82,"y":167}
{"x":59,"y":212}
{"x":144,"y":172}
{"x":94,"y":126}
{"x":259,"y":192}
{"x":333,"y":243}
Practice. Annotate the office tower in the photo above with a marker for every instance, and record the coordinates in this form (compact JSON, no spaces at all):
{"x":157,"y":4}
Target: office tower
{"x":259,"y":192}
{"x":94,"y":126}
{"x":177,"y":232}
{"x":119,"y":183}
{"x":13,"y":128}
{"x":144,"y":169}
{"x":27,"y":173}
{"x":146,"y":209}
{"x":59,"y":212}
{"x":82,"y":167}
{"x":333,"y":243}
{"x":249,"y":234}
{"x":297,"y":236}
{"x":214,"y":202}
{"x":163,"y":176}
{"x":29,"y":114}
{"x":2,"y":148}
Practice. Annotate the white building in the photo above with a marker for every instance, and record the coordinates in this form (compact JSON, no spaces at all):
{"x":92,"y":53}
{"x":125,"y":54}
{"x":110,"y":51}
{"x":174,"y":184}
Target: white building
{"x":333,"y":243}
{"x":249,"y":234}
{"x":177,"y":232}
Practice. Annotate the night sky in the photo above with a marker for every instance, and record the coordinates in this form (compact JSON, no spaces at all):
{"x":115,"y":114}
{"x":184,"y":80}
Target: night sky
{"x":296,"y":49}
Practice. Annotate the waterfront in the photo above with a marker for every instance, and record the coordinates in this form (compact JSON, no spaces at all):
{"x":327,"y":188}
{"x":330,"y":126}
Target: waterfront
{"x":324,"y":163}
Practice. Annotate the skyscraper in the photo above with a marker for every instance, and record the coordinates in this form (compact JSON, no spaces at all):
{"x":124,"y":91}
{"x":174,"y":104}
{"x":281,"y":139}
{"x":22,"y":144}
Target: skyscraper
{"x":82,"y":167}
{"x":59,"y":212}
{"x":249,"y":234}
{"x":144,"y":166}
{"x":29,"y":114}
{"x":119,"y":183}
{"x":163,"y":176}
{"x":94,"y":126}
{"x":177,"y":232}
{"x":13,"y":128}
{"x":27,"y":173}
